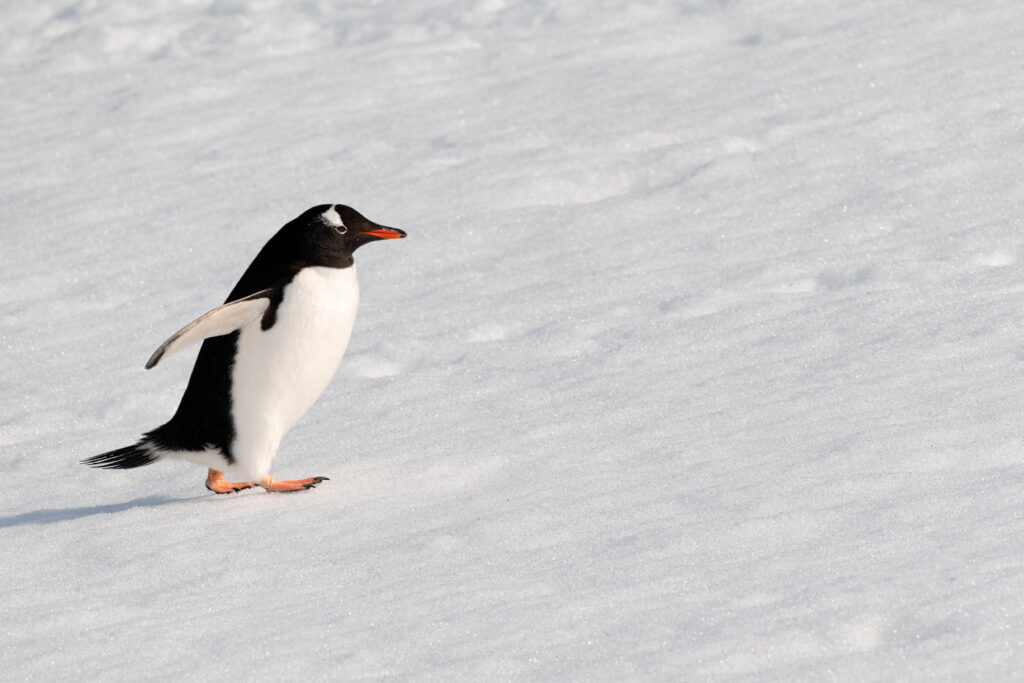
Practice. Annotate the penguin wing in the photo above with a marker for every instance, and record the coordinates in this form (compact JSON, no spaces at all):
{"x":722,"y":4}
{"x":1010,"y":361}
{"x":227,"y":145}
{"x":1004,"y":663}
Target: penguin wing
{"x":224,"y":319}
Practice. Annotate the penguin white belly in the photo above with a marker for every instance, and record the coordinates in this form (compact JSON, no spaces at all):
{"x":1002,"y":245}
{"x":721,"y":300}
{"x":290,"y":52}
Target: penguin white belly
{"x":279,"y":373}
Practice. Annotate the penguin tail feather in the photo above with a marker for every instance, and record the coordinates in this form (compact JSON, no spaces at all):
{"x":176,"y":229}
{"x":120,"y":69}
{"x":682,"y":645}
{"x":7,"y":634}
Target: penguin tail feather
{"x":124,"y":458}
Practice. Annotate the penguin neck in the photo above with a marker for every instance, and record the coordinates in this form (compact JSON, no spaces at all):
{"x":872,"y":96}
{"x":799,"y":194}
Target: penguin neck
{"x":336,"y":260}
{"x":327,"y":254}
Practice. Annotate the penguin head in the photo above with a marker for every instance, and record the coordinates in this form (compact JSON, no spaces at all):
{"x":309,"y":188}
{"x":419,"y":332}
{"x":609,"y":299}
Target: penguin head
{"x":328,"y":234}
{"x":354,"y":228}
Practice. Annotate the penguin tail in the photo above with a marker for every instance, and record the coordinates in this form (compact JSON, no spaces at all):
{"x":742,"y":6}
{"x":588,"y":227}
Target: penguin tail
{"x":124,"y":458}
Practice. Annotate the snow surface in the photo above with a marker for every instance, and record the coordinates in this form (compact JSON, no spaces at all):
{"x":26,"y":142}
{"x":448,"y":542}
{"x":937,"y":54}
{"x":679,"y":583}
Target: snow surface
{"x":703,"y":359}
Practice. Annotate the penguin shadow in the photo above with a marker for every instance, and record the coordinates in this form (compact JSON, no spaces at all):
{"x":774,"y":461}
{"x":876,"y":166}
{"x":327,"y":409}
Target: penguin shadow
{"x":53,"y":515}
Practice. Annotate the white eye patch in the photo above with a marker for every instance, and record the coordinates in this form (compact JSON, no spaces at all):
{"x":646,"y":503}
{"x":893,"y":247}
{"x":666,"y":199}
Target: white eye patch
{"x":331,"y":217}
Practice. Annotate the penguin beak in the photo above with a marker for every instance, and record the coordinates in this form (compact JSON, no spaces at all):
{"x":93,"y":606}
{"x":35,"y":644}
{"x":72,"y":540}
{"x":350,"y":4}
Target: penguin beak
{"x":385,"y":233}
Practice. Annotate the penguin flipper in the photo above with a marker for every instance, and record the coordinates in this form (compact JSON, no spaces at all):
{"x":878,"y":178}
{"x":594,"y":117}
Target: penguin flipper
{"x":224,"y":319}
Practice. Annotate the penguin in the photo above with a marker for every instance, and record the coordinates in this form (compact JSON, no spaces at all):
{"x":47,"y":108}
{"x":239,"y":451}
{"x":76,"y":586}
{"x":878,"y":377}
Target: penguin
{"x":267,"y":354}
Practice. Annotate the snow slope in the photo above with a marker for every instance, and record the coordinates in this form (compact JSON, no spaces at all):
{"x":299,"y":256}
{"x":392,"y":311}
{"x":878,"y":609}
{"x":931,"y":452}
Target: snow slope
{"x":702,"y":359}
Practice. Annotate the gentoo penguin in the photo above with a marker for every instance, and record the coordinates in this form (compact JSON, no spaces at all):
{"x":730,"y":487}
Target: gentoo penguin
{"x":267,"y":354}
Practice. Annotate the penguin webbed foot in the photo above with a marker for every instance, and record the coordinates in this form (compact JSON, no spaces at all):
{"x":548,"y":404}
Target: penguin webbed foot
{"x":216,"y":482}
{"x":290,"y":485}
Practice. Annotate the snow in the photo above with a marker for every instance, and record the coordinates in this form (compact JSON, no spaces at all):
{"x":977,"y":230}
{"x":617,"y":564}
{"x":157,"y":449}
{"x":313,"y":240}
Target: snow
{"x":702,"y":359}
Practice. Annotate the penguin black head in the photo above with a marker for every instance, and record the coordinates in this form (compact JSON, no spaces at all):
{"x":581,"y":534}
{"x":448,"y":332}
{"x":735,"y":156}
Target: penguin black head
{"x":328,"y":234}
{"x":355,"y":229}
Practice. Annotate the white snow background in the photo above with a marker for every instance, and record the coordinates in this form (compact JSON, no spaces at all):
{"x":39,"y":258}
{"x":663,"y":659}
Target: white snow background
{"x":704,"y":358}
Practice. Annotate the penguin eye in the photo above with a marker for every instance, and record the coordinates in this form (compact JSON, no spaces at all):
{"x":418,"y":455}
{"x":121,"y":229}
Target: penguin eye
{"x":332,"y":218}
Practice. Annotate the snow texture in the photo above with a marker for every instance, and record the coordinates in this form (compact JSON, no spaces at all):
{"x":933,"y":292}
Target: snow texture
{"x":703,"y":359}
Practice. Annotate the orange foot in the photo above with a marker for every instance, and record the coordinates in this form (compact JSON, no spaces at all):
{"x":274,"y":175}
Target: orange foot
{"x":216,"y":482}
{"x":271,"y":484}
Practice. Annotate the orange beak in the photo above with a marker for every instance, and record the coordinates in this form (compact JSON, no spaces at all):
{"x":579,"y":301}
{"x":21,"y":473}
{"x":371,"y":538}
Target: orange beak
{"x":386,"y":233}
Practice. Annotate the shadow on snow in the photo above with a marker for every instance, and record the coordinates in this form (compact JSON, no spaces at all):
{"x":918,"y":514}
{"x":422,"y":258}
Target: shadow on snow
{"x":52,"y":515}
